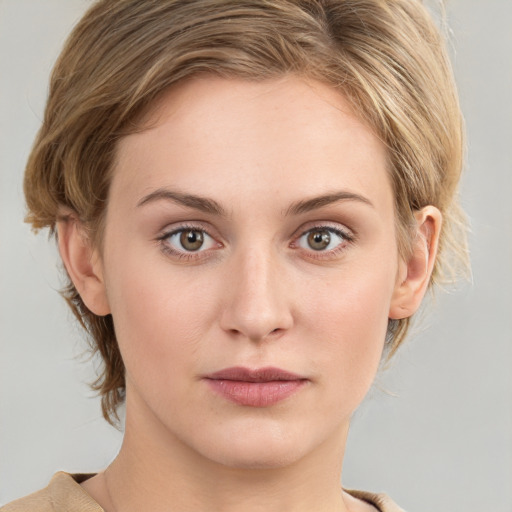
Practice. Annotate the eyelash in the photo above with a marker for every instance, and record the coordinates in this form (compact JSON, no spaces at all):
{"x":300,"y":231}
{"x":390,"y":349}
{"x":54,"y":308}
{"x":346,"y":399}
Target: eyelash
{"x":184,"y":255}
{"x":346,"y":236}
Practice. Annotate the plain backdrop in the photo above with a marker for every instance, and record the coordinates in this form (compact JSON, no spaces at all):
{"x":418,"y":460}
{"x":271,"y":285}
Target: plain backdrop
{"x":436,"y":430}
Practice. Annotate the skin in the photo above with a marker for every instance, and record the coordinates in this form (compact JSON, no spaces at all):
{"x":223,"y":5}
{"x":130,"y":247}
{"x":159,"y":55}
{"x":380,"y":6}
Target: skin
{"x":256,"y":293}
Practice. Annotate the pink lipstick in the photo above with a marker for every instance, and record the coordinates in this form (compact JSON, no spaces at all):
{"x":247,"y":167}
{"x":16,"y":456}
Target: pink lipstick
{"x":255,"y":388}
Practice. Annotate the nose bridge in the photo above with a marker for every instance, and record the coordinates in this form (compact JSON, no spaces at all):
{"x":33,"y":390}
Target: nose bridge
{"x":258,"y":304}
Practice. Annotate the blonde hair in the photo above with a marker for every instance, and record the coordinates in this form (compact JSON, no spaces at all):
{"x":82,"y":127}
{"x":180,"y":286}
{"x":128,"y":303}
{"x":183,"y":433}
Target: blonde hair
{"x":386,"y":56}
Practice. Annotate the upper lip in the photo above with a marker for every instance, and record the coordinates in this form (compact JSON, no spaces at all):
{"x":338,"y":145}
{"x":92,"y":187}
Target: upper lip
{"x":267,"y":374}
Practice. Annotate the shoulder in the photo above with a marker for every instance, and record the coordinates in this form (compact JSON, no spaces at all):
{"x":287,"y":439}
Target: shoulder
{"x":382,"y":502}
{"x":62,"y":494}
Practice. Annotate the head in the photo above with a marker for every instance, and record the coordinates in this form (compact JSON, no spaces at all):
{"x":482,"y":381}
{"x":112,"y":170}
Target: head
{"x":123,"y":59}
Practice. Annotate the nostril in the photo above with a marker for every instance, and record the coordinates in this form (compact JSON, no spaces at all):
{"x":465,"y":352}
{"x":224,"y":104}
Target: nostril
{"x":256,"y":314}
{"x":274,"y":332}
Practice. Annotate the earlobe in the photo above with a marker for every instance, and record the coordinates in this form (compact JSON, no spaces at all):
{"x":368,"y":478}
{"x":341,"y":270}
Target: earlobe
{"x":83,"y":264}
{"x":415,"y":273}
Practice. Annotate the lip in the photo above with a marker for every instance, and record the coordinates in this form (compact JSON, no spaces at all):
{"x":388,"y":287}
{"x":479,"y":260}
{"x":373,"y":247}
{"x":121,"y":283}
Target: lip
{"x":260,"y":387}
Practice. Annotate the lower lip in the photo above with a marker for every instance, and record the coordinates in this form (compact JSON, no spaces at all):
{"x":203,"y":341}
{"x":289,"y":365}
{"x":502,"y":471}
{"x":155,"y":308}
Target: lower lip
{"x":255,"y":394}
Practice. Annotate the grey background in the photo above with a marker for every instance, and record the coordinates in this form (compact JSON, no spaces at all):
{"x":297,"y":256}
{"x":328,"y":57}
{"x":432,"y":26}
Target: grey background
{"x":436,"y":430}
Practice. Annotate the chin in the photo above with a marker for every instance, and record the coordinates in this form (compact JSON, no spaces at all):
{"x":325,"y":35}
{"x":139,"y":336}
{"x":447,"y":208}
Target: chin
{"x":257,"y":458}
{"x":256,"y":447}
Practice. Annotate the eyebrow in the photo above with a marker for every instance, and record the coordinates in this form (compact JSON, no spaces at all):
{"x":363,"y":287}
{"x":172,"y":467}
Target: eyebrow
{"x":212,"y":207}
{"x":202,"y":204}
{"x":314,"y":203}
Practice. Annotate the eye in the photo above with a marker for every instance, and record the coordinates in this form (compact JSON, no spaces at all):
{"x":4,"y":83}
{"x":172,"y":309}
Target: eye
{"x":189,"y":240}
{"x":322,"y":239}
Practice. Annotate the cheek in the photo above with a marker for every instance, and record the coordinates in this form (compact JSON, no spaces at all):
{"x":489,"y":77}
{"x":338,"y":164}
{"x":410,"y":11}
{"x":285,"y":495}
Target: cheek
{"x":349,"y":320}
{"x":160,"y":318}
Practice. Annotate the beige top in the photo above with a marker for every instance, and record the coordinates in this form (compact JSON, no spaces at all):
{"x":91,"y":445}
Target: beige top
{"x":64,"y":494}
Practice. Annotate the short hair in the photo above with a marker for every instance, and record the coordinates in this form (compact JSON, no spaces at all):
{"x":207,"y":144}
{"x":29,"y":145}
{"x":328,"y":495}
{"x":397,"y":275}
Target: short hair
{"x":387,"y":57}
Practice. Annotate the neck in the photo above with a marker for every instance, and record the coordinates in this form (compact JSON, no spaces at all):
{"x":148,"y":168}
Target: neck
{"x":157,"y":469}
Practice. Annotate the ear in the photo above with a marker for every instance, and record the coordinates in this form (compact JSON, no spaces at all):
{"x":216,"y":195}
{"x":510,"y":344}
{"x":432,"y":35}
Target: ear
{"x":83,"y":263}
{"x":414,"y":274}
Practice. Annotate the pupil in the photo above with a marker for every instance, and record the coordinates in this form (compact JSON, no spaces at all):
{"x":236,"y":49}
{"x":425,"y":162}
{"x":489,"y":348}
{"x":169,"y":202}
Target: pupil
{"x":191,"y":240}
{"x":319,"y":240}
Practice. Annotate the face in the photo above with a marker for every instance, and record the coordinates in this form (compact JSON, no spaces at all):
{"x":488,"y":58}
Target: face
{"x":250,"y":263}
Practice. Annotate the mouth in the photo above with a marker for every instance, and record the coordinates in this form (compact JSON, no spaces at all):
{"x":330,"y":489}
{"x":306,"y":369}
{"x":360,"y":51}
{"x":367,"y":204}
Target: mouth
{"x":261,"y":387}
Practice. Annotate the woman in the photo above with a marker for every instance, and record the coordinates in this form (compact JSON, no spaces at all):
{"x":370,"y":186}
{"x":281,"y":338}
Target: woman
{"x":251,"y":200}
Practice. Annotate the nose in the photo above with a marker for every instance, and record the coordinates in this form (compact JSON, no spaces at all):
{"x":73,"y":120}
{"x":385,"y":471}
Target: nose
{"x":258,"y":300}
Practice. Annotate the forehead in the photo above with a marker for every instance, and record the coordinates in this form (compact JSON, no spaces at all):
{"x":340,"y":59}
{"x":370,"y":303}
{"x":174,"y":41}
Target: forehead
{"x":209,"y":132}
